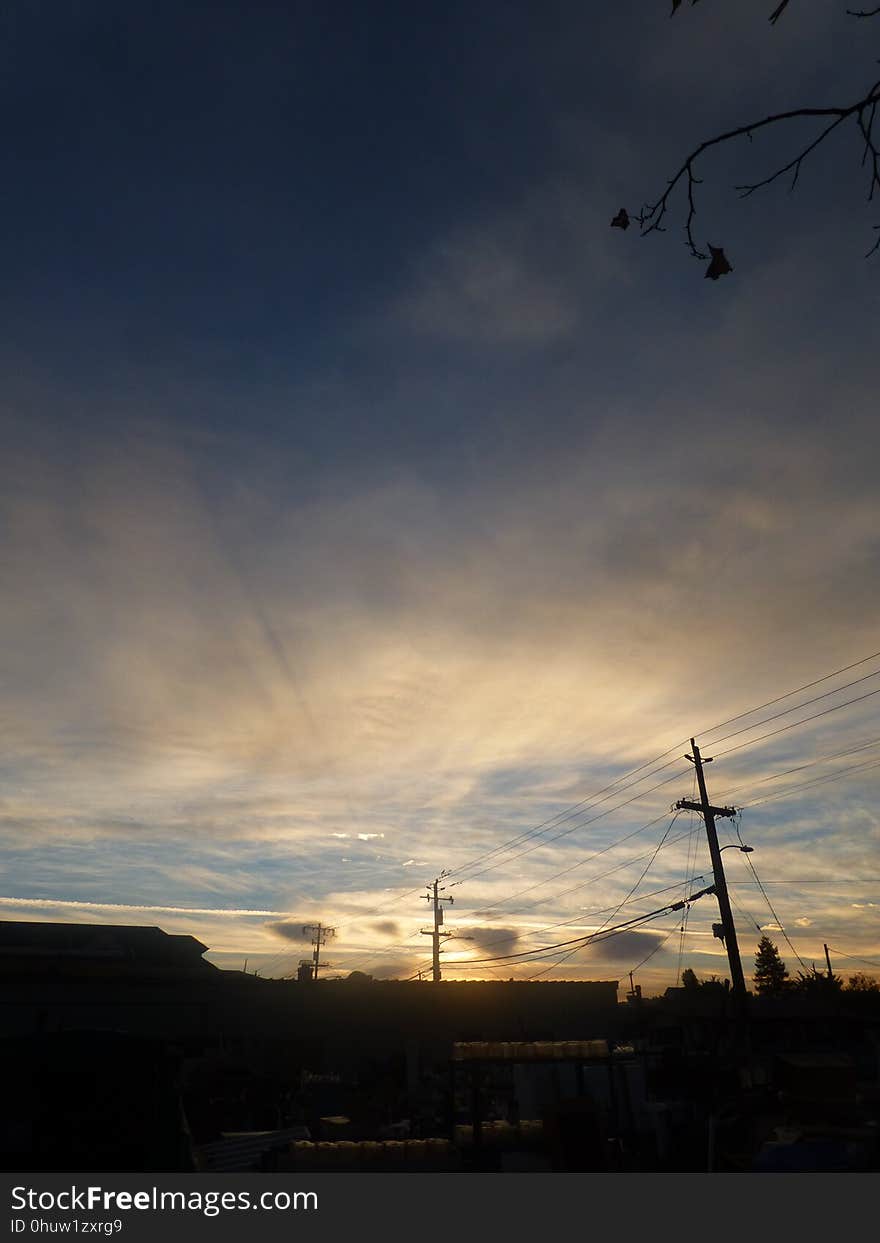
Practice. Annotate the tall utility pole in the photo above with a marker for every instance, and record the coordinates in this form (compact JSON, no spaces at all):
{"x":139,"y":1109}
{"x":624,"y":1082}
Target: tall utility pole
{"x":708,"y":812}
{"x":435,"y":897}
{"x":319,"y":934}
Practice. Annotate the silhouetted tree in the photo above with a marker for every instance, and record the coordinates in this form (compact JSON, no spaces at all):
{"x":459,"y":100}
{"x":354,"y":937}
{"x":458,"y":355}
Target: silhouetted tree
{"x":861,"y":983}
{"x":815,"y":981}
{"x":771,"y":973}
{"x":860,"y":109}
{"x":689,"y":979}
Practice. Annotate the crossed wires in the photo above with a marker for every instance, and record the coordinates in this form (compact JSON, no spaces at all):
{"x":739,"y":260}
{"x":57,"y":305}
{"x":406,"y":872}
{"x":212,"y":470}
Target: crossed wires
{"x":630,"y":780}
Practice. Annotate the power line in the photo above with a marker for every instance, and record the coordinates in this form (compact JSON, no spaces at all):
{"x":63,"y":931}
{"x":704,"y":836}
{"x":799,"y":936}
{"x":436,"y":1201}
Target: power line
{"x":779,"y":698}
{"x":615,"y":787}
{"x":621,"y":904}
{"x":854,"y":957}
{"x":793,"y":725}
{"x":601,"y":876}
{"x":749,"y":742}
{"x":572,"y":867}
{"x":817,"y":781}
{"x":617,"y":867}
{"x":657,"y":947}
{"x":583,"y":915}
{"x":820,"y":759}
{"x":583,"y":825}
{"x":567,"y":813}
{"x":806,"y":703}
{"x":599,"y":935}
{"x":645,"y":869}
{"x":773,"y":913}
{"x":561,"y":816}
{"x":554,"y":897}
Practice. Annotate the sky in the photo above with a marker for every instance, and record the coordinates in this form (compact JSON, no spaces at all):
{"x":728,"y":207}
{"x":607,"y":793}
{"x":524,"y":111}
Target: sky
{"x":366,"y":502}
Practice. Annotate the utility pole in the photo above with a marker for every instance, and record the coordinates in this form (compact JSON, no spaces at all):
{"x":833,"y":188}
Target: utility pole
{"x":319,"y":935}
{"x":828,"y":961}
{"x":708,"y":812}
{"x":435,"y":897}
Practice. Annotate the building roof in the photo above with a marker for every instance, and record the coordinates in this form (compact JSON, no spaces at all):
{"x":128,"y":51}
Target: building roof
{"x":144,"y":945}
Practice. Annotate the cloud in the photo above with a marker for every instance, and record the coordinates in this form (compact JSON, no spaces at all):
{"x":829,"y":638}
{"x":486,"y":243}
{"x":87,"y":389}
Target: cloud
{"x":444,"y":655}
{"x":387,"y":927}
{"x":497,"y":941}
{"x":290,"y":930}
{"x":482,"y":288}
{"x":63,"y":904}
{"x":623,"y":947}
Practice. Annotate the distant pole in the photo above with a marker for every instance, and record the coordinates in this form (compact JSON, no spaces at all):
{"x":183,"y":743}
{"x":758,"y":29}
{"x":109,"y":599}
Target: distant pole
{"x":708,"y":812}
{"x":319,"y":934}
{"x":436,"y":898}
{"x":828,"y":961}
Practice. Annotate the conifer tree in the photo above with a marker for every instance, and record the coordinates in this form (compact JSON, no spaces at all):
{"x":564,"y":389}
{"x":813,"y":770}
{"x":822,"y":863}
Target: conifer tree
{"x":771,"y":974}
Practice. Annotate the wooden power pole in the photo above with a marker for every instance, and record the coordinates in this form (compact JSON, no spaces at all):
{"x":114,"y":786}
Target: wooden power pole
{"x":319,"y":934}
{"x":708,"y":812}
{"x":436,"y":898}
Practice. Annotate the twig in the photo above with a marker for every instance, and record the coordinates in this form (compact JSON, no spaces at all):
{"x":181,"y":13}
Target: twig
{"x":795,"y":163}
{"x":870,"y":148}
{"x":652,"y":215}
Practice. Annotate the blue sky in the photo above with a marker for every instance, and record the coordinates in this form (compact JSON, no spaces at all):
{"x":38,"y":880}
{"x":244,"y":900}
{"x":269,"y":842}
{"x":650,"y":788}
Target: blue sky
{"x":367,"y":501}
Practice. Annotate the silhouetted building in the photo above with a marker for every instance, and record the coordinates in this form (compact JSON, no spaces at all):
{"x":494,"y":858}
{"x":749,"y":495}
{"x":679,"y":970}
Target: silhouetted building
{"x":32,"y":945}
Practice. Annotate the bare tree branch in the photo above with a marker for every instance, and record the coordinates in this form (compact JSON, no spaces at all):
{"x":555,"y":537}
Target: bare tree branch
{"x":746,"y":190}
{"x":652,"y":215}
{"x":777,"y":13}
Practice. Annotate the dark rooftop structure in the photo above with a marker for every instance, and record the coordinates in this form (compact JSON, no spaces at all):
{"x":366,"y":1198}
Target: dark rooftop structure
{"x":28,"y":943}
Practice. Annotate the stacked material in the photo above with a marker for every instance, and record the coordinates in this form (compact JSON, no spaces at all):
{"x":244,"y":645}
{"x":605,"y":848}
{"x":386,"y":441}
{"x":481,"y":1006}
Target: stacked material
{"x":525,"y":1135}
{"x":530,"y":1050}
{"x":414,"y":1155}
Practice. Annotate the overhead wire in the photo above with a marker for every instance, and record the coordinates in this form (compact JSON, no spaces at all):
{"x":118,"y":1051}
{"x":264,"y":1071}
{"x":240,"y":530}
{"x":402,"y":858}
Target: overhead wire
{"x":566,"y":812}
{"x":794,"y":724}
{"x":573,"y":867}
{"x":563,"y":893}
{"x":621,"y":904}
{"x":818,"y":781}
{"x":583,"y":825}
{"x":786,"y":772}
{"x":796,"y":708}
{"x":652,"y":952}
{"x":617,"y":787}
{"x":868,"y":962}
{"x":773,"y":913}
{"x":604,"y":934}
{"x":779,"y":698}
{"x":741,"y":746}
{"x":566,"y":923}
{"x":691,"y":862}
